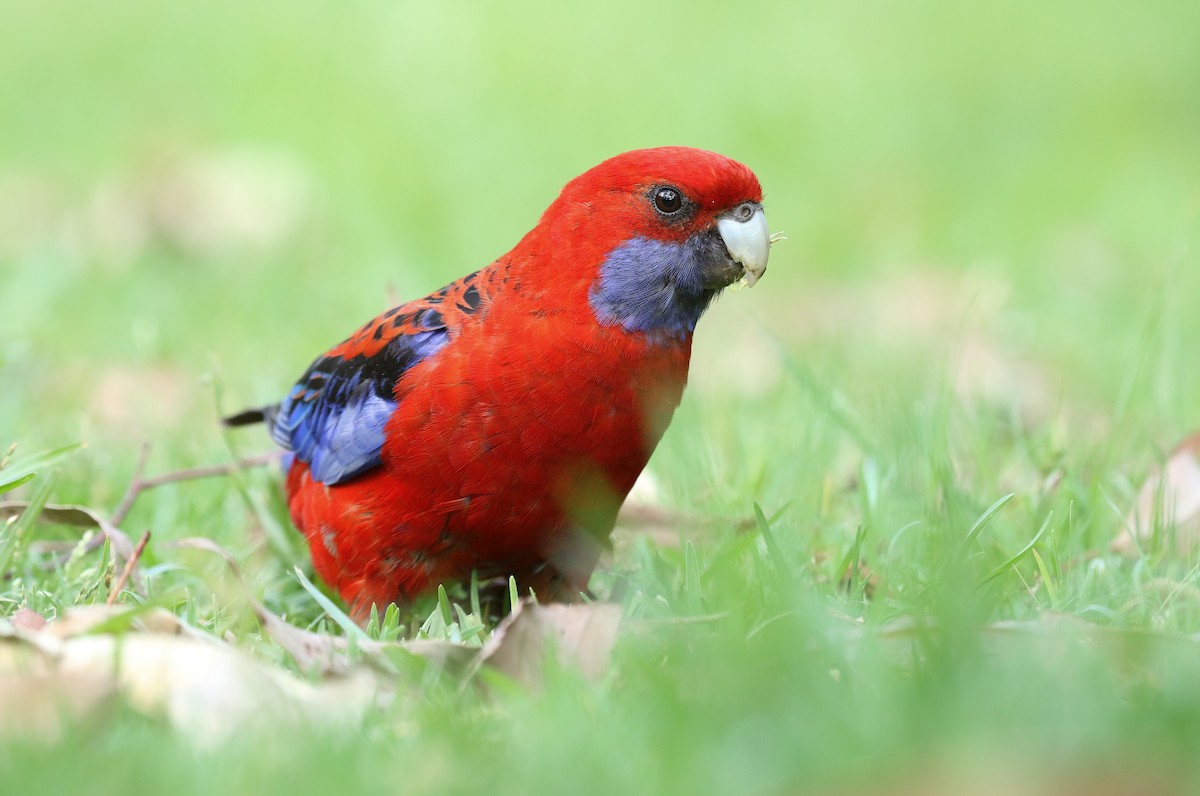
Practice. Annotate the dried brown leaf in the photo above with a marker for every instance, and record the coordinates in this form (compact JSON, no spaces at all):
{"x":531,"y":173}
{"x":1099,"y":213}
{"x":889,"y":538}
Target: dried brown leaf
{"x":55,"y":673}
{"x":75,"y":517}
{"x":42,"y":704}
{"x":84,"y":619}
{"x":206,"y":690}
{"x":203,"y":687}
{"x":1169,"y":501}
{"x":318,"y":654}
{"x":36,"y":699}
{"x":321,"y":654}
{"x":314,"y":653}
{"x":580,"y":636}
{"x":667,"y":527}
{"x":27,"y":621}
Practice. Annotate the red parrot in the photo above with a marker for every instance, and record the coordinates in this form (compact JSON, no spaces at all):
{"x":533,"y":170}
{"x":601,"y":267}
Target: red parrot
{"x":497,"y":424}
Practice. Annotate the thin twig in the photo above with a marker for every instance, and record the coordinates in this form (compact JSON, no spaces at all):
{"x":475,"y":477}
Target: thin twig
{"x":122,"y":546}
{"x":260,"y":460}
{"x":131,"y":492}
{"x":140,"y":484}
{"x":129,"y":565}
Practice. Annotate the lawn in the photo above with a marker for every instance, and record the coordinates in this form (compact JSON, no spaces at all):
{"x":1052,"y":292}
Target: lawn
{"x":972,"y":350}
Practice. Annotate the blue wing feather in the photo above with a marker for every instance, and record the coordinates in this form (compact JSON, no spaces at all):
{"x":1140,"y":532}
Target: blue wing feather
{"x":334,"y":417}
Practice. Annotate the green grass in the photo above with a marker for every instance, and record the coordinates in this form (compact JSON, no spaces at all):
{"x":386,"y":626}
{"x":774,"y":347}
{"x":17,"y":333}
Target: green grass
{"x":987,"y":291}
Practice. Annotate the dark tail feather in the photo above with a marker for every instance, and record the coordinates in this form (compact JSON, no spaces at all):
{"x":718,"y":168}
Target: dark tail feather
{"x":263,"y":414}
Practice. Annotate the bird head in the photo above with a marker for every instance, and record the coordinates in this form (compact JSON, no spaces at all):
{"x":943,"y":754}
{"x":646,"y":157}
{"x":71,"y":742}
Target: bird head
{"x":660,"y":232}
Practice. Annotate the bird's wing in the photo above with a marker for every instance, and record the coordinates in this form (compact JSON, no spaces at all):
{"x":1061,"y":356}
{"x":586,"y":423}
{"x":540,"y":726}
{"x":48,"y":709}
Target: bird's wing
{"x":334,"y":417}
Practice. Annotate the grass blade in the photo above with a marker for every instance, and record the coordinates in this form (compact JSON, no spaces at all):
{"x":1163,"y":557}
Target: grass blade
{"x":1000,"y":570}
{"x":14,"y":533}
{"x":780,"y":564}
{"x":848,"y":567}
{"x":691,"y":578}
{"x":11,"y":485}
{"x":348,"y":626}
{"x":444,"y":606}
{"x":14,"y":475}
{"x":983,"y":521}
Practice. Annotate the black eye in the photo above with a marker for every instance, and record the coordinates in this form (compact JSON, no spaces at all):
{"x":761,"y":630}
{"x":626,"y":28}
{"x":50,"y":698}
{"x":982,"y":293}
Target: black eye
{"x":668,"y":200}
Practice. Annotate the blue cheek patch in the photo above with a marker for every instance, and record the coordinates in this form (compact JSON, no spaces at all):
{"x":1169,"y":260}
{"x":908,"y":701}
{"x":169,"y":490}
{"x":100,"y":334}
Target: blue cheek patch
{"x":653,"y":287}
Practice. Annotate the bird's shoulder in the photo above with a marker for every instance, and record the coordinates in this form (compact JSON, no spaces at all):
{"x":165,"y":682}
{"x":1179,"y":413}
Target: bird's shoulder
{"x":333,"y":418}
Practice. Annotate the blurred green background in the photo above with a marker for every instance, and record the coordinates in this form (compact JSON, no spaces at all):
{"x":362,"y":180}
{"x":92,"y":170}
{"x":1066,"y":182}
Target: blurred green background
{"x":989,"y":282}
{"x":188,"y":190}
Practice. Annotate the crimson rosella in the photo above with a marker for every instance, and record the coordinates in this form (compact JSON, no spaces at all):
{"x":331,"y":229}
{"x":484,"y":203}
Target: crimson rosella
{"x":497,"y":424}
